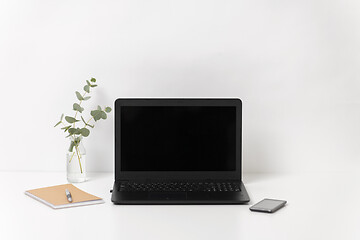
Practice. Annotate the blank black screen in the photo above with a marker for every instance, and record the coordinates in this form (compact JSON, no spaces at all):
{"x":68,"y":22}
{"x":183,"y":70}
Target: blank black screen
{"x":178,"y":138}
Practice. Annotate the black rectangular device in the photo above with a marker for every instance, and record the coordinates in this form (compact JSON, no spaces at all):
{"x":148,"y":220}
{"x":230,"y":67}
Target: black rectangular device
{"x":178,"y":151}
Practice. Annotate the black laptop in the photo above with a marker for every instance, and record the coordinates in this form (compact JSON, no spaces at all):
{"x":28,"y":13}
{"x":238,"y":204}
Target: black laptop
{"x":178,"y":151}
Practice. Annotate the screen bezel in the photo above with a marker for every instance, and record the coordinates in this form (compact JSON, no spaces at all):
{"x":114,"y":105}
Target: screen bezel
{"x":142,"y":175}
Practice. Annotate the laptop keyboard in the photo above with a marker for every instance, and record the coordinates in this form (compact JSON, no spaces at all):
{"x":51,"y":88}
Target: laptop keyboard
{"x":179,"y":187}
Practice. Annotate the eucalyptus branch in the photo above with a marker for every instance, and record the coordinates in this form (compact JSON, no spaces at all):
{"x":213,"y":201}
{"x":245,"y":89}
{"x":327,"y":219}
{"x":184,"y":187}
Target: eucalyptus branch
{"x":96,"y":114}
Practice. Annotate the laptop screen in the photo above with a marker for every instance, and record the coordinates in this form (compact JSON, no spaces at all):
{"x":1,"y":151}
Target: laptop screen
{"x":178,"y":138}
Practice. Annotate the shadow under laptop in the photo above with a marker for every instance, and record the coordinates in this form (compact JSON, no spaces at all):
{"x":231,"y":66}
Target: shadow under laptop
{"x":181,"y":221}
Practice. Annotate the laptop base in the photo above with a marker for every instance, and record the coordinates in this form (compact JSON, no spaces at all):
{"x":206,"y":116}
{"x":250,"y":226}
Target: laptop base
{"x":178,"y":198}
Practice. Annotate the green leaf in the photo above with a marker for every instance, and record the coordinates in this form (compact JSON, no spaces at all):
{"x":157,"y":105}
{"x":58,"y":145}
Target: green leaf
{"x":73,"y":131}
{"x":83,"y":120}
{"x":84,"y":132}
{"x":97,"y":117}
{"x":66,"y":128}
{"x":92,"y":80}
{"x":96,"y":114}
{"x":61,"y":118}
{"x":87,"y":98}
{"x":57,"y":124}
{"x":78,"y":95}
{"x":108,"y":109}
{"x":87,"y":88}
{"x":71,"y":119}
{"x":77,"y":107}
{"x":103,"y":115}
{"x":99,"y":108}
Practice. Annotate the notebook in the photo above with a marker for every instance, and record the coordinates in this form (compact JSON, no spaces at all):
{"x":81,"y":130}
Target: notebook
{"x":55,"y":196}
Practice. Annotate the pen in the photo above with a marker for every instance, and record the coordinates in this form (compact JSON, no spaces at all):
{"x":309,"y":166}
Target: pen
{"x":68,"y":195}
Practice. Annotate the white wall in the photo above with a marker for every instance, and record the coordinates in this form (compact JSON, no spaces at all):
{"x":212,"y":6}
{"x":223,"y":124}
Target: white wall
{"x":294,"y":63}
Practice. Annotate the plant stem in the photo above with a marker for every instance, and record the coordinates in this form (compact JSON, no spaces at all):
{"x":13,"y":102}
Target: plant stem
{"x":77,"y":152}
{"x":71,"y":157}
{"x":90,"y":119}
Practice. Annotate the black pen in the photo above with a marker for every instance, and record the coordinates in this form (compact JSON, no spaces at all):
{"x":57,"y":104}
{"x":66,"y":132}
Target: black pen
{"x":68,"y":195}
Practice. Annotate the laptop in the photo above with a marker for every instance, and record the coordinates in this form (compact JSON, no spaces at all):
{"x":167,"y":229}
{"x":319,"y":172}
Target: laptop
{"x":178,"y":151}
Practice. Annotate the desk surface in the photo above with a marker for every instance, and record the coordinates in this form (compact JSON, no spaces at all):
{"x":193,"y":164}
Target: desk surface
{"x":320,"y":206}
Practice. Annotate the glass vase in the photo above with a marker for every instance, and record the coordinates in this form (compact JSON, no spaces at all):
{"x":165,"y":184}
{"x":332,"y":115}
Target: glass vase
{"x":76,"y":161}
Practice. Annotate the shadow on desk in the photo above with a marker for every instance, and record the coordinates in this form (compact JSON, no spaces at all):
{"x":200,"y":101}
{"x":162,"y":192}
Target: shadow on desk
{"x":257,"y":177}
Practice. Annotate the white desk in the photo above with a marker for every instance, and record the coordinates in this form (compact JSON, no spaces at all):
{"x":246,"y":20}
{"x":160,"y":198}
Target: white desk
{"x":320,"y":206}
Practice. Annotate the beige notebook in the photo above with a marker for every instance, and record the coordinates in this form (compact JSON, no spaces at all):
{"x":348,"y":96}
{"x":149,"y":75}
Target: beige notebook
{"x":55,"y":196}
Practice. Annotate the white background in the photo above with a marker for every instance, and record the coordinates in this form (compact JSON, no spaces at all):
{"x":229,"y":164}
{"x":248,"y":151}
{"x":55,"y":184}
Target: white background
{"x":294,"y":63}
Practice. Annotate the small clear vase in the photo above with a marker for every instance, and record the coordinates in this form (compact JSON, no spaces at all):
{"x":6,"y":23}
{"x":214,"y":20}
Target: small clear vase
{"x":76,"y":161}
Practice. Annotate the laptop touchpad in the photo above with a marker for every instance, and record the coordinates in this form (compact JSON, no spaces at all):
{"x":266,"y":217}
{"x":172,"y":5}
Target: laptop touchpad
{"x":166,"y":196}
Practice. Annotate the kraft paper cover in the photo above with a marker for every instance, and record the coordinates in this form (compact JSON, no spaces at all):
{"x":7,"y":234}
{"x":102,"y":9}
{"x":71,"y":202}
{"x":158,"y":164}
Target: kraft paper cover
{"x":56,"y":194}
